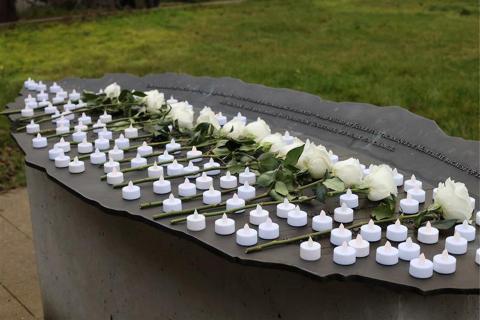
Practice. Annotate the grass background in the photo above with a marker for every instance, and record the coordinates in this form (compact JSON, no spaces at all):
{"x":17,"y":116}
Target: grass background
{"x":422,"y":55}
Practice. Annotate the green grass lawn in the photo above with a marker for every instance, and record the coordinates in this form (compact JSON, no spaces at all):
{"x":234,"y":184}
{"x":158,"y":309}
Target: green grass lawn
{"x":422,"y":55}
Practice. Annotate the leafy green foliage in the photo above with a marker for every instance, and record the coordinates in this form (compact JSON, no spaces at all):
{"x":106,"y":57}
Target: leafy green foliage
{"x":334,"y":184}
{"x":281,"y":188}
{"x":321,"y":192}
{"x":201,"y":133}
{"x":385,"y":209}
{"x":293,"y":155}
{"x":267,"y":162}
{"x":444,"y":224}
{"x":266,"y":179}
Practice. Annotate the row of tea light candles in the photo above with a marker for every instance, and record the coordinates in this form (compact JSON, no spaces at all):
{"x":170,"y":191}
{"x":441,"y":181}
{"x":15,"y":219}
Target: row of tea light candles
{"x":345,"y":253}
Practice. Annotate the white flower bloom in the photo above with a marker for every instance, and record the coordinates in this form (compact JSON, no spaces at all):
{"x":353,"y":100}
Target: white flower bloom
{"x":380,"y":183}
{"x":275,"y":141}
{"x":208,"y":116}
{"x":257,"y":130}
{"x":349,"y":171}
{"x":113,"y":91}
{"x":154,"y":101}
{"x":454,"y":200}
{"x":234,"y":129}
{"x":315,"y":159}
{"x":181,"y":113}
{"x":282,"y":152}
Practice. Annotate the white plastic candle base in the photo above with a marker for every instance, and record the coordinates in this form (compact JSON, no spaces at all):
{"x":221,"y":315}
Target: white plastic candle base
{"x":114,"y":177}
{"x":131,"y":132}
{"x":86,"y":120}
{"x":155,"y":171}
{"x":62,"y":130}
{"x":234,"y":203}
{"x":203,"y":182}
{"x":102,"y":144}
{"x":246,"y":236}
{"x":64,"y":145}
{"x":456,"y":244}
{"x":174,"y":169}
{"x":350,"y":199}
{"x":477,"y":218}
{"x":194,"y":155}
{"x":409,"y":205}
{"x":224,"y":226}
{"x":105,"y":118}
{"x":39,"y":142}
{"x":33,"y":128}
{"x":210,"y":165}
{"x":466,"y":231}
{"x":162,"y":186}
{"x":268,"y":230}
{"x":444,"y":263}
{"x":397,"y":232}
{"x":258,"y":216}
{"x":427,"y":235}
{"x":173,"y":147}
{"x":105,"y":134}
{"x":122,"y":142}
{"x":297,"y":218}
{"x":212,"y":196}
{"x":228,"y":182}
{"x":322,"y":222}
{"x":131,"y":192}
{"x":421,"y":268}
{"x":310,"y":250}
{"x":191,"y":170}
{"x":109,"y":165}
{"x":78,"y":136}
{"x":54,"y":152}
{"x":246,"y":192}
{"x":27,"y":112}
{"x":362,"y":247}
{"x":417,"y":194}
{"x":398,"y":178}
{"x":247,"y":176}
{"x":340,"y":235}
{"x":137,"y":161}
{"x":116,"y":154}
{"x":76,"y":166}
{"x":412,"y":183}
{"x":408,"y":250}
{"x":284,"y":208}
{"x":62,"y":161}
{"x":371,"y":232}
{"x":477,"y":256}
{"x":343,"y":214}
{"x":98,"y":157}
{"x":387,"y":255}
{"x":221,"y":119}
{"x":196,"y":222}
{"x":172,"y":204}
{"x":344,"y":255}
{"x":144,"y":150}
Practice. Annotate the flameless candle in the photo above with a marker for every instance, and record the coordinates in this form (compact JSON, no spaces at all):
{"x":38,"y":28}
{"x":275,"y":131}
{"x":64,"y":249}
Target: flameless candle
{"x":81,"y":104}
{"x":235,"y":202}
{"x":54,"y":88}
{"x":122,"y":142}
{"x":131,"y":192}
{"x":105,"y":117}
{"x":55,"y":117}
{"x":371,"y":232}
{"x":310,"y":250}
{"x":343,"y":214}
{"x":194,"y":155}
{"x":456,"y":244}
{"x":268,"y":230}
{"x":84,"y":146}
{"x":297,"y":217}
{"x":333,"y":157}
{"x":62,"y":160}
{"x":344,"y":255}
{"x":33,"y":127}
{"x":362,"y":247}
{"x":408,"y":250}
{"x":102,"y":144}
{"x":80,"y":127}
{"x":248,"y":176}
{"x":477,"y":218}
{"x":115,"y":176}
{"x":221,"y":119}
{"x":174,"y":168}
{"x":412,"y":183}
{"x":144,"y":149}
{"x":284,"y":208}
{"x":172,"y":204}
{"x":162,"y":186}
{"x":228,"y":181}
{"x":138,"y":161}
{"x":287,"y":138}
{"x":397,"y":232}
{"x":131,"y":132}
{"x":387,"y":255}
{"x":258,"y":215}
{"x":98,"y":157}
{"x":76,"y":166}
{"x":186,"y":189}
{"x":340,"y":235}
{"x":164,"y":158}
{"x":74,"y":95}
{"x":43,"y":104}
{"x":50,"y":109}
{"x":196,"y":221}
{"x":417,"y":194}
{"x":173,"y":146}
{"x":224,"y":226}
{"x":466,"y":231}
{"x":31,"y":104}
{"x":203,"y":182}
{"x":211,"y":164}
{"x":54,"y":152}
{"x":322,"y":222}
{"x":246,"y":192}
{"x":246,"y":236}
{"x":366,"y":171}
{"x":421,"y":267}
{"x":30,"y":84}
{"x":39,"y":142}
{"x":62,"y":129}
{"x":85,"y":119}
{"x":69,"y":106}
{"x":212,"y":196}
{"x":444,"y":263}
{"x":427,"y":234}
{"x":191,"y":170}
{"x":397,"y":177}
{"x":26,"y":112}
{"x":58,"y":99}
{"x":477,"y":256}
{"x":155,"y":171}
{"x":68,"y":115}
{"x":79,"y":135}
{"x":110,"y":164}
{"x":105,"y":133}
{"x":472,"y":201}
{"x":409,"y":205}
{"x":242,"y":118}
{"x":41,"y":87}
{"x":350,"y":199}
{"x":42,"y":96}
{"x":62,"y":144}
{"x":172,"y":100}
{"x":116,"y":153}
{"x":98,"y":126}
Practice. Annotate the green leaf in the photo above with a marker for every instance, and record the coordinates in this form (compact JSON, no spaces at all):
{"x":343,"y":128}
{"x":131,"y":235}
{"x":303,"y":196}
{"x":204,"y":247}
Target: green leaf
{"x":220,"y":151}
{"x":267,"y":162}
{"x":334,"y":184}
{"x":385,"y":209}
{"x":281,"y":188}
{"x":433,"y":207}
{"x":444,"y":224}
{"x":293,"y":155}
{"x":138,"y":93}
{"x":275,"y":195}
{"x":266,"y":179}
{"x":321,"y":192}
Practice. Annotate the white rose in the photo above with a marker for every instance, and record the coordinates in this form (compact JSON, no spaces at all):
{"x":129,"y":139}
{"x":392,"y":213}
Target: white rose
{"x":257,"y":130}
{"x":454,"y":200}
{"x":208,"y":116}
{"x":349,"y":171}
{"x":181,"y":113}
{"x":380,"y":183}
{"x":234,"y":128}
{"x":315,"y":159}
{"x":112,"y":91}
{"x":275,"y":141}
{"x":154,"y":101}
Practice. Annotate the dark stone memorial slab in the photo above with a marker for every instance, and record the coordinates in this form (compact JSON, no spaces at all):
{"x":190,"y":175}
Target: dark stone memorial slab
{"x":102,"y":257}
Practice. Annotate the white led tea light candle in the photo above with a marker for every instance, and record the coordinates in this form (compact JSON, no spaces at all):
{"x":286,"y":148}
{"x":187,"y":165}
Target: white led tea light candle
{"x":39,"y":142}
{"x":196,"y":221}
{"x":131,"y":191}
{"x":105,"y":134}
{"x":138,"y":161}
{"x":246,"y":192}
{"x":58,"y":99}
{"x":194,"y":155}
{"x":340,"y":235}
{"x":43,"y":104}
{"x":98,"y":126}
{"x":62,"y":144}
{"x":171,"y":100}
{"x":212,"y":196}
{"x":162,"y":186}
{"x":122,"y":142}
{"x":477,"y":256}
{"x":116,"y":153}
{"x":297,"y":217}
{"x":62,"y":160}
{"x":191,"y":170}
{"x":228,"y":181}
{"x":80,"y":127}
{"x":477,"y":218}
{"x":85,"y":119}
{"x":287,"y":138}
{"x":155,"y":171}
{"x":144,"y":149}
{"x":173,"y":147}
{"x":105,"y":117}
{"x":284,"y":208}
{"x":85,"y":146}
{"x":69,"y":106}
{"x":362,"y":247}
{"x":409,"y":205}
{"x":50,"y":109}
{"x":224,"y":226}
{"x":412,"y":183}
{"x":456,"y":244}
{"x":203,"y":182}
{"x":466,"y":231}
{"x":343,"y":214}
{"x":371,"y":232}
{"x":444,"y":263}
{"x":68,"y":115}
{"x":397,"y":232}
{"x":350,"y":199}
{"x":174,"y":168}
{"x":172,"y":204}
{"x":421,"y":267}
{"x":408,"y":250}
{"x":310,"y":250}
{"x":187,"y":189}
{"x":110,"y":164}
{"x":54,"y":152}
{"x":98,"y":157}
{"x":417,"y":194}
{"x":74,"y":95}
{"x":258,"y":215}
{"x":32,"y":127}
{"x":322,"y":222}
{"x":76,"y":166}
{"x":221,"y":119}
{"x":42,"y":95}
{"x":387,"y":255}
{"x":268,"y":230}
{"x":164,"y":158}
{"x":344,"y":255}
{"x":131,"y":132}
{"x":62,"y":129}
{"x":102,"y":144}
{"x":41,"y":87}
{"x":427,"y":234}
{"x":246,"y":236}
{"x":114,"y":177}
{"x":79,"y":135}
{"x":54,"y":88}
{"x":235,"y":202}
{"x":247,"y":176}
{"x":211,"y":164}
{"x":333,"y":157}
{"x":26,"y":112}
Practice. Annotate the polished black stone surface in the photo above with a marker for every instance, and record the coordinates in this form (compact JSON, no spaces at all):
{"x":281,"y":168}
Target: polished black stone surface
{"x":391,"y":135}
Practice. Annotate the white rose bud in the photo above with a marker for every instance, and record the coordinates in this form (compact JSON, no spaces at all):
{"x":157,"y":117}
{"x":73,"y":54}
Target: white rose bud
{"x":181,"y":113}
{"x":234,"y":128}
{"x":208,"y":116}
{"x":349,"y":171}
{"x":282,"y":152}
{"x":380,"y":183}
{"x":154,"y":101}
{"x":315,"y":159}
{"x":113,"y":91}
{"x":275,"y":141}
{"x":257,"y":130}
{"x":454,"y":200}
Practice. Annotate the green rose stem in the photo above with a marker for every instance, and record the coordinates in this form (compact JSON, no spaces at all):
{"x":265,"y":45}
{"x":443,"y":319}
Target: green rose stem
{"x":205,"y":207}
{"x":314,"y":183}
{"x":275,"y":243}
{"x":263,"y":204}
{"x":8,"y":112}
{"x":139,"y":181}
{"x":159,"y":203}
